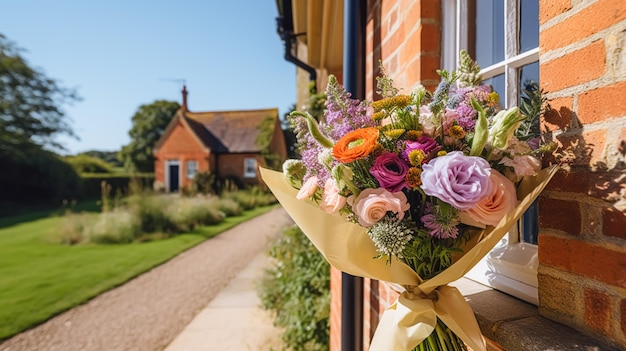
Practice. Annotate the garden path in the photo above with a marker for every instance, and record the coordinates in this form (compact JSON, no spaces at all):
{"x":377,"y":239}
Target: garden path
{"x":148,"y":312}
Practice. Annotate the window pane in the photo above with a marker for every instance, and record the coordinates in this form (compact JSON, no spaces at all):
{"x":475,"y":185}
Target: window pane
{"x":529,"y":25}
{"x":528,"y":78}
{"x":489,"y":45}
{"x":498,"y":85}
{"x":530,"y":226}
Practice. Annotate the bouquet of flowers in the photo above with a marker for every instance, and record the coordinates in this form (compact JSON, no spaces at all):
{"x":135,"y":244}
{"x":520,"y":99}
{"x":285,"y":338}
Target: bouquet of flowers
{"x":413,"y":189}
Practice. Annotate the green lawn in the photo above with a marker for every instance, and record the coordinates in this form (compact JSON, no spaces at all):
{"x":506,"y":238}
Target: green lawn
{"x":40,"y":279}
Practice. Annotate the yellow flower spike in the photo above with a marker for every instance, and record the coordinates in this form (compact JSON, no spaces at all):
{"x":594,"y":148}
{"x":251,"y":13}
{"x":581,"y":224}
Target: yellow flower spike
{"x":398,"y":101}
{"x":394,"y":133}
{"x":493,"y":99}
{"x":378,"y":116}
{"x":414,"y":135}
{"x":442,"y":153}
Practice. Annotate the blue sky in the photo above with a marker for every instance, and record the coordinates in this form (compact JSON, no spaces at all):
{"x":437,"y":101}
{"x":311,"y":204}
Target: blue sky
{"x":122,"y":54}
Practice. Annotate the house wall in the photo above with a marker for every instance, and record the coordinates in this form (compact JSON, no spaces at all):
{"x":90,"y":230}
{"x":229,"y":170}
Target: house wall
{"x":278,"y":144}
{"x":582,"y":241}
{"x":231,"y":165}
{"x":181,"y":145}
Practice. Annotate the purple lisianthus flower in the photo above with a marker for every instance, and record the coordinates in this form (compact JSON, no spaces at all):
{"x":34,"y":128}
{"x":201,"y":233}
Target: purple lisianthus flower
{"x":424,"y":143}
{"x":390,"y":171}
{"x":459,"y":180}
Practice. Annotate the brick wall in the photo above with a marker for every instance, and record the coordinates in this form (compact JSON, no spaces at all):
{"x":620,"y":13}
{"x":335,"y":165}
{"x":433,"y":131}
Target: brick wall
{"x":181,"y":146}
{"x":582,"y":242}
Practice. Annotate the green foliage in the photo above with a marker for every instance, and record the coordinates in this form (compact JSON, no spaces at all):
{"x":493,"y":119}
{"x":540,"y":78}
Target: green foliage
{"x":42,"y":177}
{"x":109,"y":157}
{"x":30,"y":105}
{"x":119,"y":183}
{"x":203,"y":183}
{"x":149,"y":123}
{"x":83,"y":163}
{"x":532,"y":105}
{"x":297,"y":289}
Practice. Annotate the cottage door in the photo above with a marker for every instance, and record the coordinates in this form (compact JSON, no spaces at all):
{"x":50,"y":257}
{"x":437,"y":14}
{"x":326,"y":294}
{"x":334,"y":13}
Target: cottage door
{"x":174,"y":180}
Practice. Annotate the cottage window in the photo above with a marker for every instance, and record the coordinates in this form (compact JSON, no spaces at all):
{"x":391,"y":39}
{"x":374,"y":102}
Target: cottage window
{"x":503,"y":37}
{"x":192,"y":168}
{"x":249,"y":168}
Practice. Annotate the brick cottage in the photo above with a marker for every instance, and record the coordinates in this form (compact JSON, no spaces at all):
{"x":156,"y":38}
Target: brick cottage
{"x":565,"y":286}
{"x":229,"y":144}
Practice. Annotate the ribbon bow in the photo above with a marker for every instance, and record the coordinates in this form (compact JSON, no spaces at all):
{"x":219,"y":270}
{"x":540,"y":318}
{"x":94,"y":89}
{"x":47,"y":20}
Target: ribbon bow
{"x":412,"y":318}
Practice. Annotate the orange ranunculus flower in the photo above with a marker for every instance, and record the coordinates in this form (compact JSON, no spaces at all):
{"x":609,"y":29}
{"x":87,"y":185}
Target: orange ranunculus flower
{"x":355,"y":145}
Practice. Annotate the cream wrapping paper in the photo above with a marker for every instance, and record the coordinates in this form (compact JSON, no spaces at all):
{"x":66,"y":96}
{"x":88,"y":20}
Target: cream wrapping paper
{"x":413,"y":316}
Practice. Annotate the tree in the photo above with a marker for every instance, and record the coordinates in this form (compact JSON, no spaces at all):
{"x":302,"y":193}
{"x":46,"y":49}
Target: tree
{"x":149,"y":123}
{"x":30,"y":106}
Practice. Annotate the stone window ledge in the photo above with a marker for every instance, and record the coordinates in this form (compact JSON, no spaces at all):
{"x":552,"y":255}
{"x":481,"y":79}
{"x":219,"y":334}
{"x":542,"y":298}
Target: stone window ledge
{"x":514,"y":325}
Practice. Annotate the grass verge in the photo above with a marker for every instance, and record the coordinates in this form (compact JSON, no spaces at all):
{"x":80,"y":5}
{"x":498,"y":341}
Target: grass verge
{"x":40,"y":279}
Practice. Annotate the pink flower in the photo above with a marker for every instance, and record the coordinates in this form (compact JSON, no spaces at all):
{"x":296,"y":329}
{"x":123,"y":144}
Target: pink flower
{"x":331,"y":200}
{"x":308,"y":188}
{"x":462,"y":181}
{"x":498,"y":203}
{"x":390,"y":171}
{"x":373,"y":204}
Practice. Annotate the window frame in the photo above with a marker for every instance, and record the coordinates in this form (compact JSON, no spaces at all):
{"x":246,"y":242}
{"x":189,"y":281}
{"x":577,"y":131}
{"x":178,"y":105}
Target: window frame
{"x":187,"y":168}
{"x":511,"y":266}
{"x":246,"y":167}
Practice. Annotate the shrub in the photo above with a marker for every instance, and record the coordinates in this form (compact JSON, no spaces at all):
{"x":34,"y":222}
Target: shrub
{"x":189,"y":213}
{"x":203,"y":183}
{"x":86,"y":164}
{"x":297,"y":289}
{"x":115,"y":227}
{"x":230,"y":207}
{"x":151,"y":213}
{"x":73,"y":228}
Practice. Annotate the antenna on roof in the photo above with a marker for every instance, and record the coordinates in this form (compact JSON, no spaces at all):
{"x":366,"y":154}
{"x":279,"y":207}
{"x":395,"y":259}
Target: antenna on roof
{"x":184,"y":91}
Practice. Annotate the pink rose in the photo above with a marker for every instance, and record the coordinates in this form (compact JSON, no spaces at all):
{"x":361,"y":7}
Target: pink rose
{"x":331,"y":200}
{"x":502,"y":200}
{"x":308,"y":188}
{"x":390,"y":171}
{"x":373,"y":204}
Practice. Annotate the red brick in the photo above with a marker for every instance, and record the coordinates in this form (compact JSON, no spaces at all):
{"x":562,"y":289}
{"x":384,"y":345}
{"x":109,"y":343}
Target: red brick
{"x":598,"y":311}
{"x":586,"y":149}
{"x":558,"y":114}
{"x":613,"y":223}
{"x":594,"y":18}
{"x":552,"y":8}
{"x":580,"y":257}
{"x":559,"y":215}
{"x":575,"y":68}
{"x":602,"y":103}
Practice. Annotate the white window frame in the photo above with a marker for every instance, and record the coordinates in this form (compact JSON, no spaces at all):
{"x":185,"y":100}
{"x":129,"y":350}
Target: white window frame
{"x":188,"y":163}
{"x":248,"y":164}
{"x":511,"y":266}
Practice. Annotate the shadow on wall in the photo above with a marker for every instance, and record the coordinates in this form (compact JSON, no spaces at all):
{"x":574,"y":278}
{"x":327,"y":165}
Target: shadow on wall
{"x":589,"y":166}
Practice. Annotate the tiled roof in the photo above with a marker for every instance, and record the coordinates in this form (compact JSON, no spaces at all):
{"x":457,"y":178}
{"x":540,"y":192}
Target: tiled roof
{"x":229,"y":131}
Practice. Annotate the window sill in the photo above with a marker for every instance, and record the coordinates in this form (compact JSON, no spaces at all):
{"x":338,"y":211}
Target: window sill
{"x":514,"y":325}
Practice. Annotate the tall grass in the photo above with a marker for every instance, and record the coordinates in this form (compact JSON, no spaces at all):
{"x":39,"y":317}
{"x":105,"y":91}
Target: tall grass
{"x":145,"y":216}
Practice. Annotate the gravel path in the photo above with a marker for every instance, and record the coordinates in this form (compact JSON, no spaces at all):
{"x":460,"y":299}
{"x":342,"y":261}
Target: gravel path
{"x":148,"y":312}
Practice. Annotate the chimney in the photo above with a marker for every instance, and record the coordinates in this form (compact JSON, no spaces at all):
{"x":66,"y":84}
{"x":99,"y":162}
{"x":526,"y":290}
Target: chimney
{"x":184,"y":106}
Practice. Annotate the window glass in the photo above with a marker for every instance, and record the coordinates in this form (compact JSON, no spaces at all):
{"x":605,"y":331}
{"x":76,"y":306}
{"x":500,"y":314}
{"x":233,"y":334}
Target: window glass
{"x":489,"y":32}
{"x":192,"y":169}
{"x":498,"y":85}
{"x":249,"y":168}
{"x":529,"y":25}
